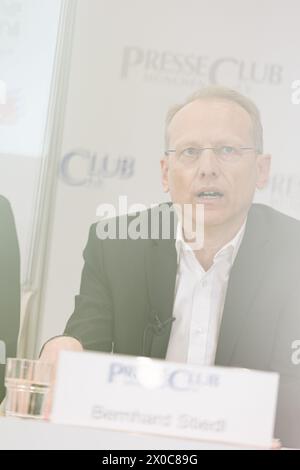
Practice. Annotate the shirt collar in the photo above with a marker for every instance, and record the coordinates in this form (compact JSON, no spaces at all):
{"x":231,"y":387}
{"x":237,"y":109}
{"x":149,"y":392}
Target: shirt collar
{"x":230,"y":249}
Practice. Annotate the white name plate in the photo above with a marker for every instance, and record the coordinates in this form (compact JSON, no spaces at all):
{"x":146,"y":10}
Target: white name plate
{"x":227,"y":405}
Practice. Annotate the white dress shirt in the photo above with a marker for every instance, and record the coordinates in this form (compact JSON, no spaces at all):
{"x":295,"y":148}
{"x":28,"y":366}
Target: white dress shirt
{"x":199,"y":302}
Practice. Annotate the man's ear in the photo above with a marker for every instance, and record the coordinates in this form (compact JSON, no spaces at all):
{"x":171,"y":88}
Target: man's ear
{"x":164,"y":165}
{"x":263,"y":170}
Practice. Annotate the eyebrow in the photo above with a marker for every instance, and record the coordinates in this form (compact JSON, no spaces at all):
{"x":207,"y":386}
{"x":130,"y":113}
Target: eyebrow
{"x":223,"y":141}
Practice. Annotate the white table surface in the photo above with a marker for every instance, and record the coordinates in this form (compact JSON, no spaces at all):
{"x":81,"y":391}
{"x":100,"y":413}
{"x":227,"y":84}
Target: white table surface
{"x":31,"y":434}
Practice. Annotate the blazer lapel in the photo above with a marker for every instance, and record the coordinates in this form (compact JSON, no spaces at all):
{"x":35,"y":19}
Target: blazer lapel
{"x":161,"y":269}
{"x":245,"y":278}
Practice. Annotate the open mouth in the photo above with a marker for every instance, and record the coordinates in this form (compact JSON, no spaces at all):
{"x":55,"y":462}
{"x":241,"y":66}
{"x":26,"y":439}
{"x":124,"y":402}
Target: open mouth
{"x":210,"y":194}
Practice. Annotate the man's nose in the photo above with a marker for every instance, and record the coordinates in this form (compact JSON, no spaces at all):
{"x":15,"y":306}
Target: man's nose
{"x":208,"y":164}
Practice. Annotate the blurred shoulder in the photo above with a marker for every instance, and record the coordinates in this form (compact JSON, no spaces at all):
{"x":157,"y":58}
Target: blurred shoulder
{"x":5,"y":209}
{"x":4,"y":202}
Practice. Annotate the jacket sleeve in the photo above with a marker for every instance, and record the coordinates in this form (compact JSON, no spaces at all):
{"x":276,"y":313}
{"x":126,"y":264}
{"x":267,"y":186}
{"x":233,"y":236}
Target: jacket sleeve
{"x":92,"y":320}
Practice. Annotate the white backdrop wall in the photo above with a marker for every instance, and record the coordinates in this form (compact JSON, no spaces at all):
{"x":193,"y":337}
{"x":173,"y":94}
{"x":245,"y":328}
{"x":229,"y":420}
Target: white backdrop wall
{"x":133,"y":59}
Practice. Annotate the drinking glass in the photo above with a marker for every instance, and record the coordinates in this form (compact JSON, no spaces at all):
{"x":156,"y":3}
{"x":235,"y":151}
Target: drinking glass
{"x":27,"y":387}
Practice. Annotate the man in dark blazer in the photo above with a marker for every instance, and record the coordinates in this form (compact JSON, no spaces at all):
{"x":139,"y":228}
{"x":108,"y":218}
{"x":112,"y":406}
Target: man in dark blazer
{"x":148,"y":296}
{"x":9,"y":288}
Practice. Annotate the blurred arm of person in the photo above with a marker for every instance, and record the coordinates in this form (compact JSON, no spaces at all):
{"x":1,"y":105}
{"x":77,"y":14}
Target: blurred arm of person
{"x":9,"y":288}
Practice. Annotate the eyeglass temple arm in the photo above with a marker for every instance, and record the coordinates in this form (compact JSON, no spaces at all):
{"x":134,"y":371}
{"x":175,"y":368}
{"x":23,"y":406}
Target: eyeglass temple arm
{"x":211,"y":148}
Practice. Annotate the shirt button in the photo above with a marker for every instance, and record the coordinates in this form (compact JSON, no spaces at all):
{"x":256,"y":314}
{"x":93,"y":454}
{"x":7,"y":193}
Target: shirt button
{"x":199,"y":330}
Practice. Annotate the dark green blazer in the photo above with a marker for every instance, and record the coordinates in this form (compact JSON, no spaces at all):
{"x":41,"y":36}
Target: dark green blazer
{"x":127,"y":293}
{"x":9,"y":288}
